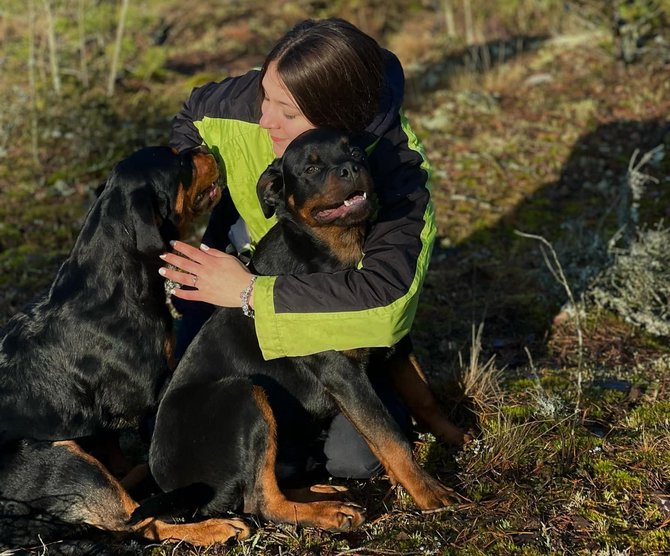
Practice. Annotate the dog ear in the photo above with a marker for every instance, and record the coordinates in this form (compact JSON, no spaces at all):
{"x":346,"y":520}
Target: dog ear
{"x":270,"y":188}
{"x":148,"y":219}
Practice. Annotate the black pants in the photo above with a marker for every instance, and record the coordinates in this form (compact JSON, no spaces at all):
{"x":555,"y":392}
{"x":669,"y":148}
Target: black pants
{"x":347,"y":453}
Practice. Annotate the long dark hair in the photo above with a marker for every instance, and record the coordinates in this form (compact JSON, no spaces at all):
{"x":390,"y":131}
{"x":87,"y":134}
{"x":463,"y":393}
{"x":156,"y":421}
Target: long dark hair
{"x":333,"y":70}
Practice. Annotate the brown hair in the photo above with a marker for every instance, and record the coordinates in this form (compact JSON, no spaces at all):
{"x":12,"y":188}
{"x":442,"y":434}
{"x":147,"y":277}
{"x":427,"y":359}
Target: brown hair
{"x":333,"y":70}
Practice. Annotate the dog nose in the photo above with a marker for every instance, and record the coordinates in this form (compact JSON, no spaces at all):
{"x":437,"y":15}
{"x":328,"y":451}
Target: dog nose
{"x":348,"y":170}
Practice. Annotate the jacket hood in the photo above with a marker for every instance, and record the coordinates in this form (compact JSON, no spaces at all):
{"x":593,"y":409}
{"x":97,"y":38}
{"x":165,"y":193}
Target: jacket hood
{"x":392,"y":96}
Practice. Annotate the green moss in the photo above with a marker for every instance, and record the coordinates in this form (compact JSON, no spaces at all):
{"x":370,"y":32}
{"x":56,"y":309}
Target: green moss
{"x":521,"y":384}
{"x":481,"y":491}
{"x":518,"y":412}
{"x":655,"y":542}
{"x":650,"y":415}
{"x":608,"y":474}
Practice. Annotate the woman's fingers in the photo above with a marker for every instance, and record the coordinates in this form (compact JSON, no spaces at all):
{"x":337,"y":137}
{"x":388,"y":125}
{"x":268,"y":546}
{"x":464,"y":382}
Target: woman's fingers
{"x":191,"y":252}
{"x":190,"y":295}
{"x":183,"y":278}
{"x":181,"y":263}
{"x":216,"y":277}
{"x":213,"y":252}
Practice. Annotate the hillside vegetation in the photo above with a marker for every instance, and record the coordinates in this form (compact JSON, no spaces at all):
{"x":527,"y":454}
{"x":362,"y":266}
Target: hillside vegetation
{"x":545,"y":317}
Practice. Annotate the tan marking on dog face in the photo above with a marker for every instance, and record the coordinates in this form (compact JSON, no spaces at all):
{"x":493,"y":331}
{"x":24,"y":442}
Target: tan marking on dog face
{"x":199,"y":197}
{"x":181,"y":200}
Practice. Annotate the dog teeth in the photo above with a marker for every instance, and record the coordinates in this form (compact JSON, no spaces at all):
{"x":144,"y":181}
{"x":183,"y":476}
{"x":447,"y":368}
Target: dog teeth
{"x":349,"y":202}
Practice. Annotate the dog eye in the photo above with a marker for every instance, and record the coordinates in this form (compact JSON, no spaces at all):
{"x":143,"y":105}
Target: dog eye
{"x":311,"y":169}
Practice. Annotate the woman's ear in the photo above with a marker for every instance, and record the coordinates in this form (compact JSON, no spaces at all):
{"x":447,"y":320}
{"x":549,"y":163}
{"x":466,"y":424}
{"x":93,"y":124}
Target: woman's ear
{"x":270,"y":188}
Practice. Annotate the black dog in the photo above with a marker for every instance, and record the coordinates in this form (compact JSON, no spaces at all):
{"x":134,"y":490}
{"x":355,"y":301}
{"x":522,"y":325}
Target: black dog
{"x":227,"y":411}
{"x":92,"y":354}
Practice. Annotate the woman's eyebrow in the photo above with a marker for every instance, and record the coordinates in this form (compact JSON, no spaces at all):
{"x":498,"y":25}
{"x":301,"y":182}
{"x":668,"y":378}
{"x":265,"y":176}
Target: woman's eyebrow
{"x":287,"y":104}
{"x":282,"y":102}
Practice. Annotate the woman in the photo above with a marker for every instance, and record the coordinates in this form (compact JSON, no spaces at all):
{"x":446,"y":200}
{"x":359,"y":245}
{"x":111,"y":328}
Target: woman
{"x":321,"y":74}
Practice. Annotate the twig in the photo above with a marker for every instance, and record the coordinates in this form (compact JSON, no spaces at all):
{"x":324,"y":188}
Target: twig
{"x":117,"y":48}
{"x":53,"y":53}
{"x":449,"y":21}
{"x":32,"y":82}
{"x":636,"y":181}
{"x":83,"y":69}
{"x":469,"y":27}
{"x":554,"y":266}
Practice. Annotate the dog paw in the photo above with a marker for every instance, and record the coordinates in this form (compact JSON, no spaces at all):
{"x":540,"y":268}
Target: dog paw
{"x":316,"y":493}
{"x":434,"y":495}
{"x":242,"y":530}
{"x":328,"y":489}
{"x":336,"y":516}
{"x":221,"y":530}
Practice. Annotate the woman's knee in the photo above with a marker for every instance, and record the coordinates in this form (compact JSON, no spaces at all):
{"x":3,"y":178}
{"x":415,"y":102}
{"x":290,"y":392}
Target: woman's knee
{"x":348,"y":456}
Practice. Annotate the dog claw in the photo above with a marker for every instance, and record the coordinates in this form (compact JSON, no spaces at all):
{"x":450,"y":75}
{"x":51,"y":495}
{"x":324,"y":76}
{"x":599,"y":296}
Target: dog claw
{"x":340,"y":516}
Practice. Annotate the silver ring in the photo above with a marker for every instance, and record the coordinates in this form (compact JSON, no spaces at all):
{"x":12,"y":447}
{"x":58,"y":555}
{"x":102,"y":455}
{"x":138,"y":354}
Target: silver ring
{"x":195,"y":280}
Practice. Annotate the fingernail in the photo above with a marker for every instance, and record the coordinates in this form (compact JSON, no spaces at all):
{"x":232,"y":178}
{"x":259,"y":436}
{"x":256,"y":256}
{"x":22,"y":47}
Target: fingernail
{"x":161,"y":271}
{"x":204,"y":247}
{"x":172,"y":242}
{"x":162,"y":256}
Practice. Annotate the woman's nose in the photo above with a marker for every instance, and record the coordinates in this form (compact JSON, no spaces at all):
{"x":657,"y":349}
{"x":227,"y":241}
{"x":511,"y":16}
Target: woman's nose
{"x":267,"y":120}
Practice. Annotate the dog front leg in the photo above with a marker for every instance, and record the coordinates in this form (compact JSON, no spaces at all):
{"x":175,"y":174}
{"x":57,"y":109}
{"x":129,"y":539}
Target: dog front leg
{"x":412,"y":385}
{"x":348,"y":384}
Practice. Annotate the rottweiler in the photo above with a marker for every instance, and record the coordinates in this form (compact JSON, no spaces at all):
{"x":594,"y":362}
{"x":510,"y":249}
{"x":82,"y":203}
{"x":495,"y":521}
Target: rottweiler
{"x":227,"y":412}
{"x":91,"y":356}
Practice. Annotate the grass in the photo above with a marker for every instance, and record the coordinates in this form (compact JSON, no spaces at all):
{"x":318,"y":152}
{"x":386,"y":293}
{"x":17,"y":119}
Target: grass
{"x":539,"y":142}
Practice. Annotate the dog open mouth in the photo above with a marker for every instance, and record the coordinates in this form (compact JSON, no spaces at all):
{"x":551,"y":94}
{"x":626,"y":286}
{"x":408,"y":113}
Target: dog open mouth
{"x":355,"y":203}
{"x":207,"y":198}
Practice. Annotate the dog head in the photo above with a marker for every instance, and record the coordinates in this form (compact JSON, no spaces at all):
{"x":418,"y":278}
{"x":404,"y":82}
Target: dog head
{"x":162,"y":191}
{"x":322,"y":180}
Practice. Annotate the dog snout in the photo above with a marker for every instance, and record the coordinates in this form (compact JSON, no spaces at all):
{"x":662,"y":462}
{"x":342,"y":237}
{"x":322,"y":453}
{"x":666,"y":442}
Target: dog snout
{"x":348,"y":170}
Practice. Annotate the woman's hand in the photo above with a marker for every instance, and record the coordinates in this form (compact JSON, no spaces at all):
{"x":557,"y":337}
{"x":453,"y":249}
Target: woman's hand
{"x":216,"y":277}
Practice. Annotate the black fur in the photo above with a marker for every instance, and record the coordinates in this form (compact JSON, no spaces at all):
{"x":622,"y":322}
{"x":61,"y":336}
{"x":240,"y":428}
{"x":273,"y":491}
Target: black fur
{"x":209,"y":428}
{"x":89,"y":356}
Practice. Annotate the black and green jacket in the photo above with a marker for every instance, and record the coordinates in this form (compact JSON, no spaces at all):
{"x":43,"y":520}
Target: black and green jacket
{"x":373,"y":305}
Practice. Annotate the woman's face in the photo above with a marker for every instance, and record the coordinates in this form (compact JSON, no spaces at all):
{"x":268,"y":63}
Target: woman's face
{"x":280,"y":114}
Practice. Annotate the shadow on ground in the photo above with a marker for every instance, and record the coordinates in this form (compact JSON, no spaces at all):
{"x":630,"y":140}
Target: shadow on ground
{"x":499,"y":279}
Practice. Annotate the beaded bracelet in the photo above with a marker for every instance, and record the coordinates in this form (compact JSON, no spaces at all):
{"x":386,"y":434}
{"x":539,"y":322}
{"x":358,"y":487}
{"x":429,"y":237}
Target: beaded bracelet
{"x":245,"y":295}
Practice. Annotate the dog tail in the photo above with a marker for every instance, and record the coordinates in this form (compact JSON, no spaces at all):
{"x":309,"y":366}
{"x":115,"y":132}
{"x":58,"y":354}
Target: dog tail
{"x":181,"y":502}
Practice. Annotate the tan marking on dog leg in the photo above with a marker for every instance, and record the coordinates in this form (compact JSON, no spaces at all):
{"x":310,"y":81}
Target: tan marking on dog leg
{"x":272,"y":504}
{"x":104,"y":515}
{"x":411,"y":384}
{"x":399,"y":463}
{"x":203,"y":533}
{"x":135,"y":476}
{"x":316,"y":493}
{"x":113,"y":514}
{"x":168,"y":349}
